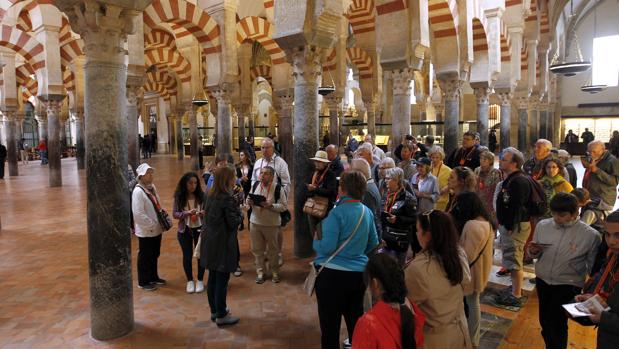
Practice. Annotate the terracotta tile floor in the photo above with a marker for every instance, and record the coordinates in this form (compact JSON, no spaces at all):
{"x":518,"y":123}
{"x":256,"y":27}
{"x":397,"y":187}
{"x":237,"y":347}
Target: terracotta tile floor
{"x":44,"y":281}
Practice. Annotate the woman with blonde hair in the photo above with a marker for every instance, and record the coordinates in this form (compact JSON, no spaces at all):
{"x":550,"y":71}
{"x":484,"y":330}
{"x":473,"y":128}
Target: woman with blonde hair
{"x":487,"y":179}
{"x":441,"y":172}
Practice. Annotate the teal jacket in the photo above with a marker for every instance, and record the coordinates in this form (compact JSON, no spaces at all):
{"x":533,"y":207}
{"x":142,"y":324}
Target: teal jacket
{"x":337,"y":227}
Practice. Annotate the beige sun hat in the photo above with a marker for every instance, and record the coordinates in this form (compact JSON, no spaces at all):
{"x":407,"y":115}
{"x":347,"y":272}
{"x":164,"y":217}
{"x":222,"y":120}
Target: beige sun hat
{"x":321,"y":156}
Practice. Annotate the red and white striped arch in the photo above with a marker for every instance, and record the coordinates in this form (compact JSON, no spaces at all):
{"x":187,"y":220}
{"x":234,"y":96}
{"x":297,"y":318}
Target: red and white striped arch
{"x":330,"y":63}
{"x":163,"y":78}
{"x":24,"y":22}
{"x":68,"y":80}
{"x":261,"y":71}
{"x":443,"y":18}
{"x":505,"y":52}
{"x":362,"y":61}
{"x":480,"y":39}
{"x":24,"y":44}
{"x":65,"y":32}
{"x":361,"y":16}
{"x":70,"y":51}
{"x":154,"y":87}
{"x":159,"y":38}
{"x":187,"y":15}
{"x":22,"y":76}
{"x":259,"y":29}
{"x":166,"y":58}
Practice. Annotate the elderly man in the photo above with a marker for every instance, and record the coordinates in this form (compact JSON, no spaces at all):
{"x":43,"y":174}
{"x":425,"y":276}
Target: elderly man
{"x":467,"y":155}
{"x":564,"y":156}
{"x":542,"y":152}
{"x":336,"y":163}
{"x":365,"y":152}
{"x":376,"y":151}
{"x":601,"y":175}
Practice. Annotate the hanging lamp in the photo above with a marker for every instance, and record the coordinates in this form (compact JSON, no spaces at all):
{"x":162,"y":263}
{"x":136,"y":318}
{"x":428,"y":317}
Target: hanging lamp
{"x":327,"y":90}
{"x":200,"y":98}
{"x":589,"y":87}
{"x":574,"y":67}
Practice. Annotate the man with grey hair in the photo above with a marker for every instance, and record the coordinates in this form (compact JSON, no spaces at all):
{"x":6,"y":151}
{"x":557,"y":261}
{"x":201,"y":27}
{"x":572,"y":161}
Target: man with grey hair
{"x":365,"y":152}
{"x":541,"y":152}
{"x":371,"y":197}
{"x":601,"y":175}
{"x":376,"y":151}
{"x":513,"y":218}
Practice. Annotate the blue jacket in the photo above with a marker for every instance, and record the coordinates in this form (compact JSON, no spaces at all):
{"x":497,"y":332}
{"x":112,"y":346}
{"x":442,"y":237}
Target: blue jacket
{"x":337,"y":227}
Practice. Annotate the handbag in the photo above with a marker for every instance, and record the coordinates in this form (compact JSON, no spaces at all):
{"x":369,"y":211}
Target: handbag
{"x":316,"y":206}
{"x":396,"y":238}
{"x":162,"y":216}
{"x":310,"y":280}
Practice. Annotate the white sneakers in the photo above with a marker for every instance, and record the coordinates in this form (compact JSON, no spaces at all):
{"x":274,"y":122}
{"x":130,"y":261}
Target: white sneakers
{"x":199,"y":286}
{"x":196,"y":287}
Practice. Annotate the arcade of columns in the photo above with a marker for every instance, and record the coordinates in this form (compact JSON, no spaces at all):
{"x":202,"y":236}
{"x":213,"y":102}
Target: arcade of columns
{"x":97,"y":61}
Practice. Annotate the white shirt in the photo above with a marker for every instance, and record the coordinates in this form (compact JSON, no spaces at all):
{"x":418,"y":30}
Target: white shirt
{"x":281,"y":171}
{"x":144,"y":214}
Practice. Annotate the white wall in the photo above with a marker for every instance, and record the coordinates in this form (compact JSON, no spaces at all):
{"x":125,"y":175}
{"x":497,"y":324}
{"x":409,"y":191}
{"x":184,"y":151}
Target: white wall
{"x":607,"y":14}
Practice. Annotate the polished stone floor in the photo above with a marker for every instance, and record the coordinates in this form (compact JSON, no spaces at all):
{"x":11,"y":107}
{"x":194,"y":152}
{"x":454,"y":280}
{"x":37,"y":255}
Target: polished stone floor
{"x":44,"y":281}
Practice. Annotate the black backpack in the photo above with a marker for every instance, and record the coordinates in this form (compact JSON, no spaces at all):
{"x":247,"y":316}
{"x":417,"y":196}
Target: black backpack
{"x":284,"y":216}
{"x":537,"y":205}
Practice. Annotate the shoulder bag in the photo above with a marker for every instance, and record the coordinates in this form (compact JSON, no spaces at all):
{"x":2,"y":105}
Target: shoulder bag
{"x":162,"y":216}
{"x":310,"y":281}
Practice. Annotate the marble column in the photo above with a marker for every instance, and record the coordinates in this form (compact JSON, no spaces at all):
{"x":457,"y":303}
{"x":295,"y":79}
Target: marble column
{"x":241,"y":111}
{"x":533,"y":120}
{"x":306,"y":65}
{"x":250,"y":123}
{"x":522,"y":103}
{"x":551,"y":123}
{"x":180,"y":146}
{"x":80,"y":143}
{"x":482,"y":94}
{"x":104,"y":31}
{"x":285,"y":98}
{"x":451,"y":87}
{"x":193,"y":138}
{"x":41,"y":118}
{"x":372,"y":107}
{"x":134,"y":83}
{"x":171,"y":133}
{"x":401,"y":114}
{"x":54,"y":146}
{"x":224,"y":122}
{"x":334,"y":102}
{"x":11,"y":141}
{"x":543,"y":118}
{"x":505,"y":98}
{"x":62,"y":130}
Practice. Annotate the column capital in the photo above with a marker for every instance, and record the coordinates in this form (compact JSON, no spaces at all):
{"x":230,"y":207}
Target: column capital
{"x":221,"y":95}
{"x":401,"y":80}
{"x":306,"y":63}
{"x":285,"y":98}
{"x":505,"y":96}
{"x":9,"y":115}
{"x":451,"y":86}
{"x":522,"y":102}
{"x":333,"y":100}
{"x":482,"y":93}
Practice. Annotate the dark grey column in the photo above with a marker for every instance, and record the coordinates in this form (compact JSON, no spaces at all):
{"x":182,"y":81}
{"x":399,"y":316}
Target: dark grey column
{"x":242,"y":110}
{"x":80,"y":142}
{"x":401,"y":115}
{"x":505,"y":98}
{"x":180,"y":147}
{"x":134,"y":83}
{"x":285,"y":98}
{"x":224,"y":122}
{"x":334,"y":103}
{"x":41,"y":118}
{"x":193,"y":138}
{"x":451,"y":87}
{"x":533,"y":120}
{"x":306,"y":70}
{"x":482,"y":94}
{"x":11,"y":141}
{"x":54,"y":148}
{"x":522,"y":103}
{"x":103,"y":30}
{"x":543,"y":118}
{"x":372,"y":111}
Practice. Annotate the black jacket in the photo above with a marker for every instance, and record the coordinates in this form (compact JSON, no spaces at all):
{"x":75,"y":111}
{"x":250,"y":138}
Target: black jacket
{"x":218,"y":249}
{"x":327,"y":189}
{"x":608,"y":330}
{"x":470,"y":157}
{"x":336,"y":166}
{"x":572,"y":172}
{"x":405,"y":210}
{"x":2,"y":152}
{"x":512,"y":201}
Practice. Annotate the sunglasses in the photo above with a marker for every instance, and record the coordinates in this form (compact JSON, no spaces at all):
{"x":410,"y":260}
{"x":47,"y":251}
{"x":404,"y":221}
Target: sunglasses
{"x":428,"y":216}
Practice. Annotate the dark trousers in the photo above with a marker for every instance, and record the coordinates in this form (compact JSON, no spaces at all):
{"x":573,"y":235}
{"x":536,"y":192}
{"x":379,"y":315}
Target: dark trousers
{"x":2,"y":161}
{"x":188,"y":240}
{"x":552,"y":316}
{"x":217,"y":289}
{"x":148,"y":253}
{"x":338,"y":293}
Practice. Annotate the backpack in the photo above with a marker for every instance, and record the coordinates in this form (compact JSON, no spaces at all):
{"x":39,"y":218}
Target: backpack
{"x":285,"y":216}
{"x":537,"y":205}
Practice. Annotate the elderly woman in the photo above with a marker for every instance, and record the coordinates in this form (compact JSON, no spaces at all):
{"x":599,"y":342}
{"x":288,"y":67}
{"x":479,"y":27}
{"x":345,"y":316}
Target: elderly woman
{"x":371,"y":196}
{"x":487,"y":179}
{"x":460,"y":180}
{"x":425,"y":186}
{"x":323,"y":185}
{"x":384,"y":165}
{"x":441,"y":172}
{"x":398,"y":216}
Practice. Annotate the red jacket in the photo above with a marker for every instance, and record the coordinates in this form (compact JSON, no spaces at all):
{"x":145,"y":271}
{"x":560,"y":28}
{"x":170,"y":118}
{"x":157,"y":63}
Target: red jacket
{"x":42,"y":146}
{"x":380,"y":328}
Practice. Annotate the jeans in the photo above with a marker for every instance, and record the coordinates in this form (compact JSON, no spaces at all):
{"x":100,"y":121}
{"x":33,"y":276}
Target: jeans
{"x":188,"y":239}
{"x":43,"y":154}
{"x":148,"y":253}
{"x":552,"y":317}
{"x":474,"y":317}
{"x":338,"y":293}
{"x":217,"y":289}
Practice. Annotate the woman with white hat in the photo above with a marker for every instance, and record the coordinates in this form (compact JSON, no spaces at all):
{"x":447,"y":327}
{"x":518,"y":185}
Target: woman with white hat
{"x":323,"y":186}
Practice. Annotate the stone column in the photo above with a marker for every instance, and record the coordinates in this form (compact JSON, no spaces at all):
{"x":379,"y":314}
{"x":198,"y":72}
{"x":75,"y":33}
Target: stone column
{"x":134,"y":83}
{"x":180,"y":147}
{"x":193,"y":138}
{"x":482,"y":94}
{"x":522,"y":104}
{"x":62,"y":121}
{"x":41,"y":117}
{"x":11,"y":141}
{"x":401,"y":115}
{"x":171,"y":132}
{"x":79,"y":140}
{"x":533,"y":119}
{"x":54,"y":147}
{"x":224,"y":122}
{"x":451,"y":87}
{"x":285,"y":98}
{"x":306,"y":65}
{"x":104,"y":30}
{"x":543,"y":118}
{"x":372,"y":107}
{"x":334,"y":102}
{"x":241,"y":111}
{"x":505,"y":97}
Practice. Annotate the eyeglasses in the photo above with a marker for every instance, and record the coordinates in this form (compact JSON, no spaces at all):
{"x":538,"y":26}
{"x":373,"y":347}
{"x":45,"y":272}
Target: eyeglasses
{"x":388,"y":178}
{"x":267,"y":147}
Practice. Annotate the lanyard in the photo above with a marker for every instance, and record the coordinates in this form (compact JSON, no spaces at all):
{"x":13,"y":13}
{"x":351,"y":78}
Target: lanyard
{"x":466,"y":156}
{"x":615,"y":277}
{"x":268,"y":189}
{"x":440,"y":167}
{"x":391,"y":197}
{"x":317,"y":181}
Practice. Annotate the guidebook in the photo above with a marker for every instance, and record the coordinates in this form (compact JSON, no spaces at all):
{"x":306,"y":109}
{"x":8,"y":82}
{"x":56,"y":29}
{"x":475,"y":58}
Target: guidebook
{"x":583,"y":308}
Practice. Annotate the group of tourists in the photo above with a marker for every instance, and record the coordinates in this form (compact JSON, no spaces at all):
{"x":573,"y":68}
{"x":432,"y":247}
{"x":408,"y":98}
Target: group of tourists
{"x":415,"y":230}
